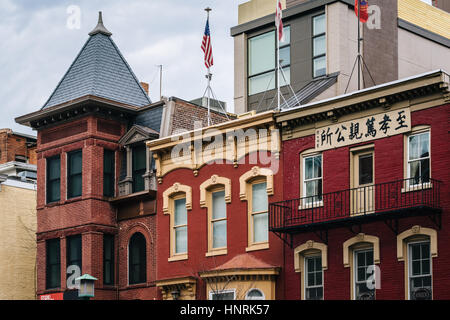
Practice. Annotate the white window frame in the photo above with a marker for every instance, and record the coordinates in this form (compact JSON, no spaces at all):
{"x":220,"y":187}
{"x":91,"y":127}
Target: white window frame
{"x":355,"y":268}
{"x":218,"y":292}
{"x":306,"y":275}
{"x":263,"y":297}
{"x":213,"y":221}
{"x":410,"y":262}
{"x":175,"y":227}
{"x":306,"y":203}
{"x":257,"y":213}
{"x":313,"y":37}
{"x":410,"y":183}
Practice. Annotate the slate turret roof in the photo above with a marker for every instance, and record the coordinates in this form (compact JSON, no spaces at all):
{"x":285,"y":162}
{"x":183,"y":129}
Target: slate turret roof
{"x":99,"y":70}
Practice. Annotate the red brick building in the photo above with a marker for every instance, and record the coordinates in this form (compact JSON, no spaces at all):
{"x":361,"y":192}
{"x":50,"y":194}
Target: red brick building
{"x":212,"y":231}
{"x":366,"y":193}
{"x":96,"y":195}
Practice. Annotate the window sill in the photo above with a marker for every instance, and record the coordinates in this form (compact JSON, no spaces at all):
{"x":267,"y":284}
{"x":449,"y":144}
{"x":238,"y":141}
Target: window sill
{"x":217,"y":252}
{"x":313,"y":205}
{"x":257,"y":246}
{"x":178,"y":257}
{"x":417,"y":187}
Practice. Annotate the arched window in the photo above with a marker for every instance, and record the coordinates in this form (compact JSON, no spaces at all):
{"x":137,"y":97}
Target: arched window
{"x":137,"y":262}
{"x":254,"y":294}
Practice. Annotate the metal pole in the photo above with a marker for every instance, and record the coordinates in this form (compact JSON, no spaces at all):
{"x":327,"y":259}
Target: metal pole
{"x":359,"y":45}
{"x":160,"y":82}
{"x":278,"y":68}
{"x":208,"y":76}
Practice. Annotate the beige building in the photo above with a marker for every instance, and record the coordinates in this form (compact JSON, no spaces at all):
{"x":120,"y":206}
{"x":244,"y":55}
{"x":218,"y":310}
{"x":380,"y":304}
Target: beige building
{"x":402,"y":38}
{"x":17,"y":238}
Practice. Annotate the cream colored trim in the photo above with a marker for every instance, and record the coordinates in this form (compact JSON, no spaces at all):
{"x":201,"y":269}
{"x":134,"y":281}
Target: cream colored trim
{"x":213,"y":181}
{"x":255,"y":175}
{"x":255,"y":172}
{"x":177,"y":191}
{"x":402,"y":238}
{"x":416,"y":233}
{"x":177,"y":188}
{"x":361,"y":238}
{"x":303,"y":249}
{"x":186,"y":286}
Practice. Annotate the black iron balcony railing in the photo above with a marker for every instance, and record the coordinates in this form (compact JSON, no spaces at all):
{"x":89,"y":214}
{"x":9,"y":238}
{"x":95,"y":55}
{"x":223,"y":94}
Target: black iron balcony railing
{"x":385,"y":200}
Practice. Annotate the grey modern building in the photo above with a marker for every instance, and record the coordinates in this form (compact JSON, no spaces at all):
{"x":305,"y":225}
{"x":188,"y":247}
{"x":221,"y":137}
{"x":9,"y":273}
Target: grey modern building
{"x":401,"y":38}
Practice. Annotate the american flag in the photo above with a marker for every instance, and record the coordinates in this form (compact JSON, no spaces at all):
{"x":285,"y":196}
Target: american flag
{"x":279,"y":21}
{"x":206,"y":46}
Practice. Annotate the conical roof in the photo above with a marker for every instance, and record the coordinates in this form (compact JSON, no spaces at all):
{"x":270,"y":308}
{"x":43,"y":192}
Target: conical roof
{"x":99,"y":70}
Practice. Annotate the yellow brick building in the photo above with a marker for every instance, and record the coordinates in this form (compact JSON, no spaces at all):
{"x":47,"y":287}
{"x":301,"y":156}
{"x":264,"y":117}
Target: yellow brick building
{"x":17,"y":239}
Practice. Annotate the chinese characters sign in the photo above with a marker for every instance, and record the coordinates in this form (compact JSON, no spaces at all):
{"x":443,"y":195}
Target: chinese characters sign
{"x":364,"y":129}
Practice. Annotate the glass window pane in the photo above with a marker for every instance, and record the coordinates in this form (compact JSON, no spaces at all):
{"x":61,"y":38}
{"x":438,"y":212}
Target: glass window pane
{"x":310,"y":279}
{"x":365,"y":169}
{"x":287,"y":36}
{"x":415,"y":251}
{"x":259,"y":197}
{"x":424,"y":145}
{"x":319,"y":25}
{"x":416,"y":268}
{"x":261,"y":227}
{"x":309,"y":168}
{"x":425,"y":170}
{"x":180,"y":212}
{"x":320,"y":67}
{"x":254,"y":294}
{"x":413,"y":147}
{"x":261,"y":83}
{"x":317,"y":166}
{"x":139,"y":157}
{"x":425,"y":250}
{"x":75,"y":162}
{"x":220,"y":234}
{"x":285,"y":57}
{"x":261,"y":53}
{"x":284,"y":81}
{"x":414,"y":171}
{"x":181,"y":240}
{"x":219,"y":210}
{"x":54,"y":168}
{"x":319,"y":46}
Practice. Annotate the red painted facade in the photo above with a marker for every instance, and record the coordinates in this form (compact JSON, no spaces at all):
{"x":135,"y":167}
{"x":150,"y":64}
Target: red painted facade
{"x":388,"y":166}
{"x":198,"y":222}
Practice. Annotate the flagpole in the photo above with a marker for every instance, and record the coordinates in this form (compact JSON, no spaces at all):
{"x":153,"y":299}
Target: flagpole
{"x":359,"y":45}
{"x":208,"y":76}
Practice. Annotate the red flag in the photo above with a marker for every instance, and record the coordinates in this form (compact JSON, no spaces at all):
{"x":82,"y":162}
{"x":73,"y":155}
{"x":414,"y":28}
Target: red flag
{"x":278,"y":21}
{"x":364,"y":13}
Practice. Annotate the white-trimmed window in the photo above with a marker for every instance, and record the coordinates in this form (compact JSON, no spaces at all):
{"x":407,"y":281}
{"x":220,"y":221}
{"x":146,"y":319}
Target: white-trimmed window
{"x":418,"y":169}
{"x":260,"y":215}
{"x":219,"y":220}
{"x":254,"y":294}
{"x":222,"y":295}
{"x":363,"y":260}
{"x":319,"y":45}
{"x":312,"y":179}
{"x":420,"y":283}
{"x":313,"y":278}
{"x":180,"y":226}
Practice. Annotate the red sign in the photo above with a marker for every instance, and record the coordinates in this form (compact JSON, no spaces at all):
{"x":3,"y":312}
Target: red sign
{"x":51,"y":296}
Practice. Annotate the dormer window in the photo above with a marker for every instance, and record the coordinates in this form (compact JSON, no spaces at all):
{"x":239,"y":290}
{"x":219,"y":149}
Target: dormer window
{"x":139,"y":168}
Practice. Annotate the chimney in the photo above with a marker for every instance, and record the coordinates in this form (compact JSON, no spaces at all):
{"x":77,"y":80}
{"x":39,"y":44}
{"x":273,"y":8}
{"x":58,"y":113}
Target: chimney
{"x":144,"y":85}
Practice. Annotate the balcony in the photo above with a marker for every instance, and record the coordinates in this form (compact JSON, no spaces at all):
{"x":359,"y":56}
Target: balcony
{"x":388,"y":201}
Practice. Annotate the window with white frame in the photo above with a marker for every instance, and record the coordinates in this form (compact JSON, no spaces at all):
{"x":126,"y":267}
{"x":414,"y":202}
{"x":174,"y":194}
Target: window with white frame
{"x":419,"y":270}
{"x":254,"y":294}
{"x":180,"y":226}
{"x":312,"y":179}
{"x":363,"y":260}
{"x":219,"y":220}
{"x":222,"y":295}
{"x":259,"y":213}
{"x":419,"y":158}
{"x":319,"y":45}
{"x":313,"y":278}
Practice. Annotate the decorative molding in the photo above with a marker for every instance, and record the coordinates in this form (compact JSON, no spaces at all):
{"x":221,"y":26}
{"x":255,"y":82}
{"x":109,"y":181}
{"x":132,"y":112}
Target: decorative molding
{"x":177,"y":188}
{"x":215,"y":180}
{"x":362,"y":238}
{"x":308,"y":246}
{"x":254,"y":173}
{"x":416,"y":231}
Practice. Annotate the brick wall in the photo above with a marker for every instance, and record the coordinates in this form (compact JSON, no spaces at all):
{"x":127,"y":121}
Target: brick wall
{"x":388,"y":167}
{"x":12,"y":145}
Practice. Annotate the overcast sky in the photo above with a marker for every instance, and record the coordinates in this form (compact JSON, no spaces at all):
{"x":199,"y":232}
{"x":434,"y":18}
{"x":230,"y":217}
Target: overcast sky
{"x":37,"y":47}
